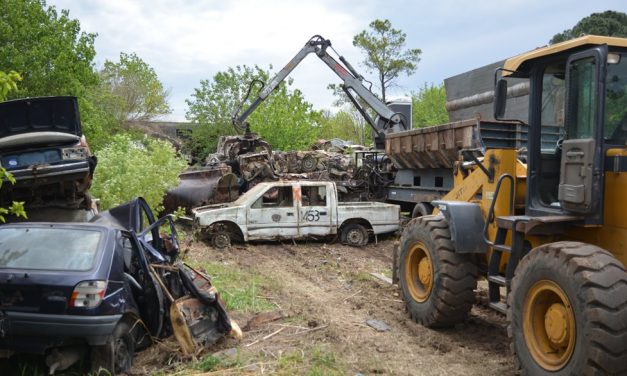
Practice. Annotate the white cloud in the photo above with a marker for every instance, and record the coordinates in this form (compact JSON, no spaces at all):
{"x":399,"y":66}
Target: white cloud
{"x":186,"y":41}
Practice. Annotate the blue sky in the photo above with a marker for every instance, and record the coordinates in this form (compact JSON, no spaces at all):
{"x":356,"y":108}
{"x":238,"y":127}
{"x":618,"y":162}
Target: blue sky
{"x":186,"y":41}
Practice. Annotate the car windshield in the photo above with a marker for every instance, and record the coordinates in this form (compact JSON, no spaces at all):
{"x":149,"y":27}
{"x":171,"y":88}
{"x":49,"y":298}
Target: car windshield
{"x":48,"y":248}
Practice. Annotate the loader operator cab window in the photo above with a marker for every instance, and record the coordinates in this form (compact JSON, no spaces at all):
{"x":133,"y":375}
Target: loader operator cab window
{"x":552,"y":114}
{"x":615,"y":132}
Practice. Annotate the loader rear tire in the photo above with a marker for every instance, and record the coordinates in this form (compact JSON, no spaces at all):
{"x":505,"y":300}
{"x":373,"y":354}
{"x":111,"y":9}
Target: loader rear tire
{"x":421,"y":209}
{"x":437,"y":284}
{"x":568,"y":311}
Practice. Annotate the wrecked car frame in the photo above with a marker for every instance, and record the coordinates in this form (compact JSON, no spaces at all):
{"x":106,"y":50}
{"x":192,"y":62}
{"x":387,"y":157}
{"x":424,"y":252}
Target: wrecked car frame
{"x":70,"y":290}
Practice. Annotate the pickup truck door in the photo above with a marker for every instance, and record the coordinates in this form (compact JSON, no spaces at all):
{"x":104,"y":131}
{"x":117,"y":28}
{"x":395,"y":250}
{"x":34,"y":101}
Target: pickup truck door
{"x":315,"y":212}
{"x":273,"y":214}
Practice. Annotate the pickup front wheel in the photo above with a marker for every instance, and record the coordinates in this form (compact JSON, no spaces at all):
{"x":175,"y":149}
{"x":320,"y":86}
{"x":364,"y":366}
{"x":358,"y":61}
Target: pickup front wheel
{"x":221,"y":240}
{"x":354,"y":235}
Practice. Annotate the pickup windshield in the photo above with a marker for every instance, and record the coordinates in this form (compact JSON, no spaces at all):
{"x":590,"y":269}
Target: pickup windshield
{"x":48,"y":248}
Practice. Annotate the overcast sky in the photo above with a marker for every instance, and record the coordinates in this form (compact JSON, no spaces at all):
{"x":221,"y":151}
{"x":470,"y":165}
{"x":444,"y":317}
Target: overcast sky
{"x":186,"y":41}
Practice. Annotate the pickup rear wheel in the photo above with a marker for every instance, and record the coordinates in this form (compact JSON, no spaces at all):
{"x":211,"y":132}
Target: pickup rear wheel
{"x":116,"y":355}
{"x":436,"y":282}
{"x":354,"y":235}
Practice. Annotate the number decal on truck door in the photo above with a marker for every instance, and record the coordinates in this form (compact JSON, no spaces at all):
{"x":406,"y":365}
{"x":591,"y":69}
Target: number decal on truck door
{"x":311,"y":215}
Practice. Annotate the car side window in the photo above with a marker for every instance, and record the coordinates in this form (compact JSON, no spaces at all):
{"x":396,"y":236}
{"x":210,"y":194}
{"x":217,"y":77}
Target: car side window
{"x":314,"y":195}
{"x":275,"y":197}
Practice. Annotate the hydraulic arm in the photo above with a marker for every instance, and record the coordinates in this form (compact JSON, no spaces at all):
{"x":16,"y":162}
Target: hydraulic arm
{"x":352,"y":83}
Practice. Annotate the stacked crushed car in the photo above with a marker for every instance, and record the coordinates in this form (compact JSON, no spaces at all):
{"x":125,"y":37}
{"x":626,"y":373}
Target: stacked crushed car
{"x":79,"y":284}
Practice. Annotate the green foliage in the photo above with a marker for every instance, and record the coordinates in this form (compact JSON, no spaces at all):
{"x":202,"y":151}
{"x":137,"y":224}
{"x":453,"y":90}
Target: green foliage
{"x":214,"y":363}
{"x":129,"y":167}
{"x":385,"y":53}
{"x":608,"y":23}
{"x":347,"y":124}
{"x":429,"y":106}
{"x":46,"y":47}
{"x":8,"y":83}
{"x":284,"y":119}
{"x":317,"y":361}
{"x":133,"y":90}
{"x":239,"y":288}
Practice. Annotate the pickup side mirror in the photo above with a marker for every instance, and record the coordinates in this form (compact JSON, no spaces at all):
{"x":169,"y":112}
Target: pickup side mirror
{"x":500,"y":99}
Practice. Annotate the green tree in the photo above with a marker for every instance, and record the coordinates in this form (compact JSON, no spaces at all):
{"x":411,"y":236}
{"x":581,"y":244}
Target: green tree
{"x":385,"y":53}
{"x":47,"y":48}
{"x":133,"y":90}
{"x":129,"y":167}
{"x":347,"y":124}
{"x":608,"y":23}
{"x":429,"y":106}
{"x":8,"y":83}
{"x":284,"y":119}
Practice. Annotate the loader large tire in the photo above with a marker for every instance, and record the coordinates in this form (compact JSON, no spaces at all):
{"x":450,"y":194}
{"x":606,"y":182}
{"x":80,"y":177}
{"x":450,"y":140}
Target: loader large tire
{"x":437,"y":284}
{"x":568,"y":311}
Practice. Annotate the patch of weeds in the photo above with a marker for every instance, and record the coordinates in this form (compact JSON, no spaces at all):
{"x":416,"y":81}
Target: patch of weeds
{"x":323,"y":363}
{"x":212,"y":362}
{"x":289,"y":361}
{"x":361,"y":276}
{"x":208,"y":363}
{"x":240,"y":288}
{"x":316,"y":362}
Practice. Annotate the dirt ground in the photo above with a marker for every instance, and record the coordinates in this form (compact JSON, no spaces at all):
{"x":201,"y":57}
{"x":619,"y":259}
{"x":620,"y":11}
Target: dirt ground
{"x":326,"y":294}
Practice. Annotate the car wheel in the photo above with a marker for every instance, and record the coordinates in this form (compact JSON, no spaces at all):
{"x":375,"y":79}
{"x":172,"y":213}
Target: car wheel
{"x":221,"y":240}
{"x":115,"y":356}
{"x":354,"y":235}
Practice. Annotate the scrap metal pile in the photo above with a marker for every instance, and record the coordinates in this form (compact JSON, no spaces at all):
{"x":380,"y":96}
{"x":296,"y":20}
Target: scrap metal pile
{"x":241,"y":162}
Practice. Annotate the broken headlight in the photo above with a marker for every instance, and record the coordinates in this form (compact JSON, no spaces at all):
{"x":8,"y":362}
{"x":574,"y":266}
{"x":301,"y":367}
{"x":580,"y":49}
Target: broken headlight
{"x":74,"y":153}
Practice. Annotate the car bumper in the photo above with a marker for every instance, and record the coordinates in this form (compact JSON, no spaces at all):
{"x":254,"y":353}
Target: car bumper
{"x":72,"y":170}
{"x":35,"y":332}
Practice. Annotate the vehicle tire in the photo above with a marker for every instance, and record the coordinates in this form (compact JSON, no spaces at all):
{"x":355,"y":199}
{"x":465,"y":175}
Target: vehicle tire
{"x":221,"y":240}
{"x":354,"y":234}
{"x":437,"y":284}
{"x":568,"y":311}
{"x":115,"y":356}
{"x":219,"y":235}
{"x":421,"y":209}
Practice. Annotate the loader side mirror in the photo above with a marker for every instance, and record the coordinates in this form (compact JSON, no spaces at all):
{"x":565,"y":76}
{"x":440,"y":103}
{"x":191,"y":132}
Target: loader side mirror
{"x":500,"y":99}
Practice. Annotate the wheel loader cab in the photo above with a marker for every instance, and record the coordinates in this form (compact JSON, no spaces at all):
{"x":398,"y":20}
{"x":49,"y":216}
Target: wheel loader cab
{"x":577,"y":118}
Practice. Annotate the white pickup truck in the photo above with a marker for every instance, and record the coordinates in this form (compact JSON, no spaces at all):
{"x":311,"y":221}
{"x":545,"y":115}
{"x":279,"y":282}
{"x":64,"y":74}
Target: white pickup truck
{"x":291,"y":210}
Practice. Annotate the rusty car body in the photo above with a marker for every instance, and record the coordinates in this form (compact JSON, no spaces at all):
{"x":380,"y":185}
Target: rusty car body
{"x":43,"y":147}
{"x":101,"y":289}
{"x":294,"y":209}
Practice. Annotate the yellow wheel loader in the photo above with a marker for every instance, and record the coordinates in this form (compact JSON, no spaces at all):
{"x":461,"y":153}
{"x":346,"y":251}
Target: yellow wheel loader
{"x":544,"y":224}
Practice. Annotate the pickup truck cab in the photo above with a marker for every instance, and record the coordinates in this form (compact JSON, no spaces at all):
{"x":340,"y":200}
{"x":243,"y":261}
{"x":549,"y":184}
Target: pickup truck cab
{"x":292,"y":210}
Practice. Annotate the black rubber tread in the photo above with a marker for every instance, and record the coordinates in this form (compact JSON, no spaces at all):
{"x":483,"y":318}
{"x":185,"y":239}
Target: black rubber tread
{"x":455,"y":276}
{"x":103,"y":358}
{"x":354,"y":226}
{"x":596,"y":284}
{"x":421,"y":209}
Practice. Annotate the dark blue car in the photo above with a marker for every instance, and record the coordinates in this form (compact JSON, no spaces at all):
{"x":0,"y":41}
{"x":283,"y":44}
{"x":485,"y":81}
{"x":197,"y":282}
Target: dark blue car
{"x":72,"y":290}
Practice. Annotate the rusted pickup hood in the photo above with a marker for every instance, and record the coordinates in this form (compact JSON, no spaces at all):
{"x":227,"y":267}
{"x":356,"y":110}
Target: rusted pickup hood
{"x":206,"y":215}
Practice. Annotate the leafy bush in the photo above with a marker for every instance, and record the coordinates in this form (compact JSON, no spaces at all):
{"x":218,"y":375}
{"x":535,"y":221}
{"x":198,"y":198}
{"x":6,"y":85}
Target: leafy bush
{"x":129,"y":167}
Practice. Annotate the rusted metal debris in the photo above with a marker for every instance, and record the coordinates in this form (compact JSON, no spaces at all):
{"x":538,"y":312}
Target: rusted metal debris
{"x":241,"y":162}
{"x":203,"y":186}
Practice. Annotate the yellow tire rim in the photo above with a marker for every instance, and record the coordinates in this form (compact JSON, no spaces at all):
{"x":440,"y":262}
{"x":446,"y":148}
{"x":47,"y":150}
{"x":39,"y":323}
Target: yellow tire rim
{"x":549,"y":325}
{"x":419,"y":272}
